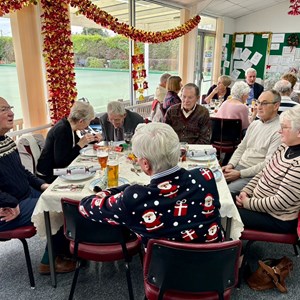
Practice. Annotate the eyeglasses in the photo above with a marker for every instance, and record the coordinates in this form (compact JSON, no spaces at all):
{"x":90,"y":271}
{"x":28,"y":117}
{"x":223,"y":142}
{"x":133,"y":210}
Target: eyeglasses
{"x":285,"y":127}
{"x":264,"y":103}
{"x":6,"y":108}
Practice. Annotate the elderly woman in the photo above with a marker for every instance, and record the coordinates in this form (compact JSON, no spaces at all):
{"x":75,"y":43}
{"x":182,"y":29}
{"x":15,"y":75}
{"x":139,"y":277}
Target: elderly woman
{"x":174,"y":86}
{"x":292,"y":78}
{"x":270,"y":201}
{"x":178,"y":204}
{"x":219,"y":90}
{"x":235,"y":107}
{"x":62,"y":143}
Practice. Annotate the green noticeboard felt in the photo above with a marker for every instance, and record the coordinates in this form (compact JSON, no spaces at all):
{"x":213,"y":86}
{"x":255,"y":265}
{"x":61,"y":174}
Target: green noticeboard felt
{"x":261,"y":41}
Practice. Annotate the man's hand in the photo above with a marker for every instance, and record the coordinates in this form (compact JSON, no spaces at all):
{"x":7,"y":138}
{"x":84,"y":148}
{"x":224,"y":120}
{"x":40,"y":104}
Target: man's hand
{"x":44,"y":186}
{"x":8,"y":214}
{"x":227,"y":168}
{"x":231,"y":175}
{"x":240,"y":198}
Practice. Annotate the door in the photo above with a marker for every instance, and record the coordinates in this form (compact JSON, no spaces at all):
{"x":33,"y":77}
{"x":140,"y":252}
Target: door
{"x":204,"y":60}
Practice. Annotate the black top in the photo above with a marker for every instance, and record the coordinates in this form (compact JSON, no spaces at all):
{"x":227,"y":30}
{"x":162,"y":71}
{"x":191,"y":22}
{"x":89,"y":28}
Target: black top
{"x":59,"y":151}
{"x":216,"y":96}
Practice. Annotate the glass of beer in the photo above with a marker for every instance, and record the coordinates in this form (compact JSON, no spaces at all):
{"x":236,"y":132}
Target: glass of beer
{"x":112,"y":170}
{"x":102,"y":156}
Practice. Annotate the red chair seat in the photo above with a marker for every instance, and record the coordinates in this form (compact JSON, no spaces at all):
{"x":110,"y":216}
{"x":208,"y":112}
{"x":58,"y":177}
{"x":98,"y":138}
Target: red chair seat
{"x":18,"y":233}
{"x":105,"y":252}
{"x":255,"y":235}
{"x":152,"y":292}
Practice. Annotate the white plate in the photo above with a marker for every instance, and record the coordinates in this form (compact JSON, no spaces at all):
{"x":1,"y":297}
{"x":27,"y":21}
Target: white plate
{"x":210,"y":157}
{"x":77,"y":177}
{"x":99,"y":182}
{"x":89,"y":151}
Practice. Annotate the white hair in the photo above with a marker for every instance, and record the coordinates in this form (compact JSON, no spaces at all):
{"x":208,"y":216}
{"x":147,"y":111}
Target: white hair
{"x":239,"y":89}
{"x":284,"y":87}
{"x":250,"y":70}
{"x":116,"y":108}
{"x":81,"y":111}
{"x":292,"y":115}
{"x":158,"y":143}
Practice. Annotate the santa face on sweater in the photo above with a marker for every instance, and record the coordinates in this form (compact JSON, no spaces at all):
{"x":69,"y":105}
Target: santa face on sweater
{"x":208,"y":207}
{"x":212,"y":233}
{"x":167,"y":189}
{"x":151,"y":220}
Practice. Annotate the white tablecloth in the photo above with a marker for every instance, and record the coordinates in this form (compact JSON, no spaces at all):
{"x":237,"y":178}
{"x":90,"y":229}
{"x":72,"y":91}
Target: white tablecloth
{"x":51,"y":200}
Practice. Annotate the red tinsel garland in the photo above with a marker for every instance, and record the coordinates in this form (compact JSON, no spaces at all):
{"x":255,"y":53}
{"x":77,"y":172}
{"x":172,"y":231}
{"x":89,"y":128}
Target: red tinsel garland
{"x":59,"y":58}
{"x":294,"y":8}
{"x":7,"y":6}
{"x":101,"y":17}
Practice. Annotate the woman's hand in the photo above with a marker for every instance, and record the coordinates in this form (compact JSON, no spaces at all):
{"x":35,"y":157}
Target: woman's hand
{"x":8,"y":214}
{"x":86,"y":139}
{"x":240,"y":198}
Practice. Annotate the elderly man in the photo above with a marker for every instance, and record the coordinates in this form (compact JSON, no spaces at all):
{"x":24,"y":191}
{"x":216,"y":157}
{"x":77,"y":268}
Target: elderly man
{"x":189,"y":119}
{"x":260,"y":142}
{"x":284,"y":88}
{"x":20,"y":190}
{"x":118,"y":120}
{"x":161,"y":91}
{"x":178,"y":204}
{"x":255,"y":88}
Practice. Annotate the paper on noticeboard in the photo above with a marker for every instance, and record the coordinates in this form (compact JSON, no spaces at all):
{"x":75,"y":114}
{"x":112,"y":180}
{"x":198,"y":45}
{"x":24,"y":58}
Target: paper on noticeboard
{"x":245,"y":54}
{"x":275,"y":46}
{"x":249,"y":40}
{"x":239,"y":38}
{"x":256,"y":58}
{"x":237,"y":53}
{"x":235,"y":74}
{"x":278,"y":38}
{"x":274,"y":59}
{"x":226,"y":64}
{"x":247,"y":64}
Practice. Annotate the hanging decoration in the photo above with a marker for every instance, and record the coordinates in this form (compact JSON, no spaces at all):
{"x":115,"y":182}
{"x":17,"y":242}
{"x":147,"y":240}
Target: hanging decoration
{"x":294,"y":8}
{"x":138,"y":72}
{"x":58,"y":47}
{"x":101,"y":17}
{"x":293,"y":41}
{"x":59,"y":58}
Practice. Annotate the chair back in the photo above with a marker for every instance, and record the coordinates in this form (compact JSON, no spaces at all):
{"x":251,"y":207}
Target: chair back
{"x":226,"y":131}
{"x":192,"y":268}
{"x":30,"y":147}
{"x":82,"y":230}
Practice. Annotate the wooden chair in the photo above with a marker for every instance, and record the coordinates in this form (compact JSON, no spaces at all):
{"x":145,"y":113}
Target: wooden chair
{"x":174,"y":270}
{"x":22,"y":233}
{"x":97,"y":241}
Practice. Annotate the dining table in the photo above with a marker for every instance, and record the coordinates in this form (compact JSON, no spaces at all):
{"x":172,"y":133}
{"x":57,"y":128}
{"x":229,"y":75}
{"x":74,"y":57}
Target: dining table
{"x":48,"y":217}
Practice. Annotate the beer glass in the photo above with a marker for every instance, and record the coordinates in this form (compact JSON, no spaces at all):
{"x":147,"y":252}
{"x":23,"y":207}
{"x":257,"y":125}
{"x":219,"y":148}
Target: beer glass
{"x":102,"y":158}
{"x":112,"y":170}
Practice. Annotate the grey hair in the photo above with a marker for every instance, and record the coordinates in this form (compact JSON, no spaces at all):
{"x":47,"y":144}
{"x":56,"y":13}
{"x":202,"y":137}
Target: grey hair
{"x":239,"y":89}
{"x":276,"y":95}
{"x":158,"y":143}
{"x":250,"y":70}
{"x":284,"y":87}
{"x":81,"y":111}
{"x":192,"y":86}
{"x":116,"y":108}
{"x":164,"y":77}
{"x":292,"y":115}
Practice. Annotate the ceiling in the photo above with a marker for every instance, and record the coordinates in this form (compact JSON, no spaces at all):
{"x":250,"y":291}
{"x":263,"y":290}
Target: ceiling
{"x":156,"y":15}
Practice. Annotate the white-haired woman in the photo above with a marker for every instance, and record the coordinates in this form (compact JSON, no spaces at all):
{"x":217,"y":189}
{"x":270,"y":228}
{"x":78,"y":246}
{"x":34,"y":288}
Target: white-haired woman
{"x":62,"y":143}
{"x":235,"y":108}
{"x":270,"y":201}
{"x":177,"y":204}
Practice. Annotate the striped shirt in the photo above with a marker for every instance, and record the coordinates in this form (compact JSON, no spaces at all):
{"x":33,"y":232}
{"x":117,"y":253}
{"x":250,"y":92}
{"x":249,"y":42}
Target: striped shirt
{"x":286,"y":103}
{"x":276,"y":189}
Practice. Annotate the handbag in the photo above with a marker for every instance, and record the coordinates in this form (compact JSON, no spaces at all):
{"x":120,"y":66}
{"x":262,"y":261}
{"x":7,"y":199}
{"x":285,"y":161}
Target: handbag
{"x":271,"y":273}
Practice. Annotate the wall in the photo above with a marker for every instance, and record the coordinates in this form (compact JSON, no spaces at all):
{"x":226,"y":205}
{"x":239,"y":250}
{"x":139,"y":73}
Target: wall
{"x":274,"y":19}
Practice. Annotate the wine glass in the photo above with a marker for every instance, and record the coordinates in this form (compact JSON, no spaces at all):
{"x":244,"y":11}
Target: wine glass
{"x":127,"y":137}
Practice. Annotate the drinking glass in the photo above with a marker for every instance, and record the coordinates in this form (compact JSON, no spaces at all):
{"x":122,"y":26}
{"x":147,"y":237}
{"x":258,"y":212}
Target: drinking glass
{"x":127,"y":136}
{"x":183,"y":151}
{"x":102,"y":156}
{"x":112,"y":170}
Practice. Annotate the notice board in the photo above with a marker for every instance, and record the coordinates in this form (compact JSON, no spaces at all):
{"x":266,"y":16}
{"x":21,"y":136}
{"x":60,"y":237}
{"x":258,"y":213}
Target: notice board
{"x":226,"y":53}
{"x":250,"y":49}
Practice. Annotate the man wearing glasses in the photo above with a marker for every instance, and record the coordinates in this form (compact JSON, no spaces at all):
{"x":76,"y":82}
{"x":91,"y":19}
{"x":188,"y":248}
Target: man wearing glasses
{"x":118,"y":120}
{"x":260,"y":142}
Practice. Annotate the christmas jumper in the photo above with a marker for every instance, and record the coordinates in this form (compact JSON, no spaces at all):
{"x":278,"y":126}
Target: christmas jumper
{"x":178,"y":204}
{"x":194,"y":129}
{"x":276,"y":189}
{"x":15,"y":180}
